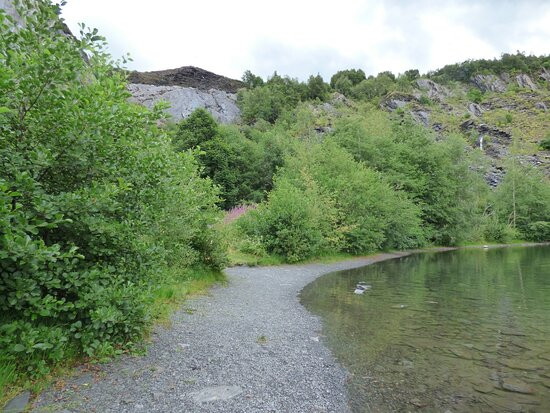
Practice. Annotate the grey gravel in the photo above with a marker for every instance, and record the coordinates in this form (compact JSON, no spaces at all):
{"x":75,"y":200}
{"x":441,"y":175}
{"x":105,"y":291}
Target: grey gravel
{"x":248,"y":346}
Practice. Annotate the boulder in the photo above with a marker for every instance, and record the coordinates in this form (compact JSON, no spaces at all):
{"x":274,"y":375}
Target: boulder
{"x":541,"y":106}
{"x":184,"y":100}
{"x":489,"y":83}
{"x":525,"y":81}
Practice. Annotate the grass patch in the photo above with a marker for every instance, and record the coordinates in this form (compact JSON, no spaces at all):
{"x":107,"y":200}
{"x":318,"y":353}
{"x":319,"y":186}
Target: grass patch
{"x":179,"y":284}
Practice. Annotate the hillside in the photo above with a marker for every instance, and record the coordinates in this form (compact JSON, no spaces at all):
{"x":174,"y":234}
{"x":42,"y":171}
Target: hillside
{"x":186,"y":76}
{"x":110,"y":213}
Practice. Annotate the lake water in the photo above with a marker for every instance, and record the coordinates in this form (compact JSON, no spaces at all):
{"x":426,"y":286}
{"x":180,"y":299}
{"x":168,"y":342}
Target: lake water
{"x":458,"y":331}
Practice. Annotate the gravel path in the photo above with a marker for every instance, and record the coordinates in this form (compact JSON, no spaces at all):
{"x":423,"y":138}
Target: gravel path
{"x":245,"y":347}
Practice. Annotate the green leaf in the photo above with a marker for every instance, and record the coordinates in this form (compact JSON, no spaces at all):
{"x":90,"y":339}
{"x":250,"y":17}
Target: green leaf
{"x":19,"y":348}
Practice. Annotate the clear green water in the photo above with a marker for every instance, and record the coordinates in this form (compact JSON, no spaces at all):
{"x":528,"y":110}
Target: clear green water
{"x":459,"y":331}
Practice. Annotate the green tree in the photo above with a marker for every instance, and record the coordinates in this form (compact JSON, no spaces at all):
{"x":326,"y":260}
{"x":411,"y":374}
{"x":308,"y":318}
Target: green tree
{"x":317,"y":88}
{"x":355,"y":76}
{"x":522,"y":201}
{"x":251,"y":80}
{"x":88,"y":183}
{"x":197,"y":129}
{"x":436,"y":175}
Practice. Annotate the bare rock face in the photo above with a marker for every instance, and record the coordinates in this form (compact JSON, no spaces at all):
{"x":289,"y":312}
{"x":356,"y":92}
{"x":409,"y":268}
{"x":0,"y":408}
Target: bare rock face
{"x":525,"y":82}
{"x":435,"y":91}
{"x":475,"y":109}
{"x":545,"y":75}
{"x":184,"y":100}
{"x":489,"y":83}
{"x":7,"y":6}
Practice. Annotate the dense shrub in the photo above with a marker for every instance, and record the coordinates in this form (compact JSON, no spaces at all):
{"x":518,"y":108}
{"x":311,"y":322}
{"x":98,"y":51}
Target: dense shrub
{"x":475,"y":95}
{"x":522,"y":201}
{"x":436,"y":175}
{"x":291,"y":223}
{"x":94,"y":201}
{"x":324,"y":200}
{"x":242,"y":167}
{"x":268,"y":101}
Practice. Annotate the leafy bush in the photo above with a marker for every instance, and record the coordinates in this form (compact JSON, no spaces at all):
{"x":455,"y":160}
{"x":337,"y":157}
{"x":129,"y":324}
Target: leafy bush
{"x":435,"y":175}
{"x":545,"y":143}
{"x":497,"y":231}
{"x":475,"y":95}
{"x":522,"y":201}
{"x":289,"y":224}
{"x":325,"y":201}
{"x":94,"y":202}
{"x":241,"y":167}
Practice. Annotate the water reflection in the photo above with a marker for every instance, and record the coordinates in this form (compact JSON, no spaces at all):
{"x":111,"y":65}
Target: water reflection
{"x":463,"y":331}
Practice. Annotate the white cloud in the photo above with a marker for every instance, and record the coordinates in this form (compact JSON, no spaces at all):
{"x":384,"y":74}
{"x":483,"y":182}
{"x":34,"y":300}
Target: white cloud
{"x":299,"y":38}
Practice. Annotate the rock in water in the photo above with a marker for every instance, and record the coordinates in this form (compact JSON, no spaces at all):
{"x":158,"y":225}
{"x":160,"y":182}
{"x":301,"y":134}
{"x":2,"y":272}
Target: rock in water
{"x":18,"y":403}
{"x":516,"y":386}
{"x":215,"y":393}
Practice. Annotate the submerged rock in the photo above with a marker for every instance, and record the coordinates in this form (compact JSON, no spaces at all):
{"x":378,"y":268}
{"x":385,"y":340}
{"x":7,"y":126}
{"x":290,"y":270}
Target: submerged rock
{"x":516,"y":386}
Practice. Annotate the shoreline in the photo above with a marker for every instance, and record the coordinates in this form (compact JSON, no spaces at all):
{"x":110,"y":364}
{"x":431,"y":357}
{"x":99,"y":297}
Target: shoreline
{"x":247,"y":346}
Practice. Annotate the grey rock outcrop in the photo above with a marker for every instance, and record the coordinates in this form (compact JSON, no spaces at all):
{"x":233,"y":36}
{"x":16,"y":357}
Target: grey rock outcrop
{"x":489,"y":83}
{"x":525,"y":81}
{"x":397,"y":100}
{"x":475,"y":109}
{"x":545,"y":75}
{"x":7,"y":6}
{"x":435,"y":91}
{"x":541,"y":106}
{"x":184,"y":100}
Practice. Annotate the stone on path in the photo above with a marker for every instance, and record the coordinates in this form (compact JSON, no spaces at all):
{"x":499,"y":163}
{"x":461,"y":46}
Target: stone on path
{"x":18,"y":403}
{"x":210,"y":394}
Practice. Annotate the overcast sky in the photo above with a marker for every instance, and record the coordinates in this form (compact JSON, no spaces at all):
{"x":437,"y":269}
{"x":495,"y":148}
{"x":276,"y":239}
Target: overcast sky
{"x":303,"y":37}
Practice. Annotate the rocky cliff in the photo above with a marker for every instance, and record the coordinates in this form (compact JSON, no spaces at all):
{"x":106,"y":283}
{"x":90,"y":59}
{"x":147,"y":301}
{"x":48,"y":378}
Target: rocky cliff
{"x":186,"y":89}
{"x":184,"y":100}
{"x":510,"y":108}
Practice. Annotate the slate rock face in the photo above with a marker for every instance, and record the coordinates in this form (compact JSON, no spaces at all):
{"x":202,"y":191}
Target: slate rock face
{"x":184,"y":100}
{"x":489,"y":83}
{"x":525,"y":81}
{"x":435,"y":91}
